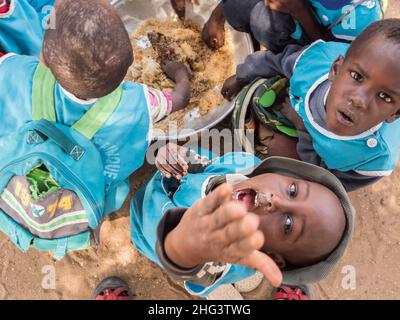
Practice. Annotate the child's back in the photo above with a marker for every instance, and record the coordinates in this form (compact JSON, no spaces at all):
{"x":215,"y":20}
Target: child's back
{"x":74,"y":131}
{"x":88,"y":52}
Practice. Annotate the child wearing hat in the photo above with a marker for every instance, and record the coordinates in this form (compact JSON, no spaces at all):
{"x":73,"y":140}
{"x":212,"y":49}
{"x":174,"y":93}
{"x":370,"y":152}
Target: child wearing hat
{"x":293,"y":213}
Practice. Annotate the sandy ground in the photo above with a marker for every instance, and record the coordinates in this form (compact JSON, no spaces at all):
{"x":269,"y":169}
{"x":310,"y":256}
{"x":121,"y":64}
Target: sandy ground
{"x":373,"y":256}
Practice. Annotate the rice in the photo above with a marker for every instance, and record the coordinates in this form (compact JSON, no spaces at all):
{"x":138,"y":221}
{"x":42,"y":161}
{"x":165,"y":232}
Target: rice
{"x":210,"y":68}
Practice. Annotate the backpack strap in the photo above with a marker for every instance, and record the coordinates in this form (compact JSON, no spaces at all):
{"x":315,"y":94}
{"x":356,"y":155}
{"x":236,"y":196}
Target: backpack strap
{"x":42,"y":97}
{"x":61,"y":248}
{"x":43,"y":104}
{"x":95,"y":118}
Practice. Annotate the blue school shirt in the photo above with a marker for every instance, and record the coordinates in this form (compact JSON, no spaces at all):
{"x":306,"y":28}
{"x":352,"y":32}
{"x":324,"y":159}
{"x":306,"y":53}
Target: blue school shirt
{"x":152,"y":201}
{"x":122,"y":142}
{"x":328,"y":13}
{"x":22,"y":27}
{"x":371,"y":153}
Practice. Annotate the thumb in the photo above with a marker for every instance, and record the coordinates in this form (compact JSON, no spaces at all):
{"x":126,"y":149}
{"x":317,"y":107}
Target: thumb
{"x":258,"y":260}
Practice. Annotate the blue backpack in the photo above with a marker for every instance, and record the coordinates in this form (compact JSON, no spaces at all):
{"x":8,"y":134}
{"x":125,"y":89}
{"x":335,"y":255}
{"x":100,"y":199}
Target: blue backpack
{"x":52,"y":186}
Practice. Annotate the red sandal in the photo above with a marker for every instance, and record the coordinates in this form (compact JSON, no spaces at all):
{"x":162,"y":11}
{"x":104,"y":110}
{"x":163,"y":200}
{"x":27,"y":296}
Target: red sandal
{"x":112,"y":288}
{"x":291,"y":293}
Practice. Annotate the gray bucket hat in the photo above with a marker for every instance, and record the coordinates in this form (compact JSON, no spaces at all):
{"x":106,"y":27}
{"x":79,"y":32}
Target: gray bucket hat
{"x":302,"y":170}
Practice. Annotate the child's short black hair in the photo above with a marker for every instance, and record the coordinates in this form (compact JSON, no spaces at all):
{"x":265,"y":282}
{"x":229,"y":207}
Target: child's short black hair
{"x":88,"y":51}
{"x":388,"y":28}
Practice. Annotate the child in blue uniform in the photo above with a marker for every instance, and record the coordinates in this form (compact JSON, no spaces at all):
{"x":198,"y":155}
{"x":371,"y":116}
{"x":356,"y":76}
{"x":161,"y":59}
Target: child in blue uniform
{"x":89,"y":58}
{"x":277,"y":23}
{"x":347,"y":98}
{"x":293,"y":204}
{"x":22,"y":25}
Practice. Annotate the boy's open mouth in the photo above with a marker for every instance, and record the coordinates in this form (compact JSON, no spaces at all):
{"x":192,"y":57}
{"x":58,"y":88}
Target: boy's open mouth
{"x":345,"y":117}
{"x":246,"y":196}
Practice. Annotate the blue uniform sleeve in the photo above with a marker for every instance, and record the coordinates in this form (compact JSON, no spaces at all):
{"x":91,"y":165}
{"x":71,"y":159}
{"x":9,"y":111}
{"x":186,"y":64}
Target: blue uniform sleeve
{"x":351,"y":180}
{"x":348,"y":21}
{"x":267,"y":64}
{"x":16,"y":73}
{"x":22,"y":28}
{"x":147,"y":210}
{"x":232,"y":274}
{"x":202,"y":279}
{"x":380,"y":166}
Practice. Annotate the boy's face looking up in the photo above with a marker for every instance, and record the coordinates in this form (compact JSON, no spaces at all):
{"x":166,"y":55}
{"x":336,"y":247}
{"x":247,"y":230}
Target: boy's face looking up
{"x":365,"y":88}
{"x":302,"y":221}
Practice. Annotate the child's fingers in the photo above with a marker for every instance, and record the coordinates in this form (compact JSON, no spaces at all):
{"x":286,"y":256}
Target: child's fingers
{"x":164,"y":172}
{"x":228,"y":213}
{"x":163,"y":165}
{"x":175,"y":161}
{"x":214,"y":200}
{"x":162,"y":169}
{"x":182,"y":153}
{"x":172,"y":170}
{"x":263,"y":263}
{"x":238,"y":225}
{"x":244,"y":247}
{"x":182,"y":162}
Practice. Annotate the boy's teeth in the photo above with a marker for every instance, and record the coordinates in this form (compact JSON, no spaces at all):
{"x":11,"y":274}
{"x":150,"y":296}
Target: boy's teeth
{"x":256,"y":200}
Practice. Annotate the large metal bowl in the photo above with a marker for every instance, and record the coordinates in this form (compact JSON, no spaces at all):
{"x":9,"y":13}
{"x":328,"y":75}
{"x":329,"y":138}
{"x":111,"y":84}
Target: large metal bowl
{"x":134,"y":12}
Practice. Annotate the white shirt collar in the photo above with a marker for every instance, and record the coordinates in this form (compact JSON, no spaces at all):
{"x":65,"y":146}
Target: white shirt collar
{"x":324,"y":131}
{"x":326,"y":96}
{"x":73,"y":98}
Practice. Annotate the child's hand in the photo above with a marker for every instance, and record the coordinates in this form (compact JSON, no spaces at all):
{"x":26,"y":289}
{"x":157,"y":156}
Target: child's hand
{"x":180,"y":74}
{"x":232,"y":87}
{"x":280,"y":145}
{"x":175,"y":70}
{"x":288,"y":111}
{"x":171,"y":161}
{"x":219,"y":229}
{"x":213,"y":33}
{"x":292,"y":7}
{"x":180,"y":7}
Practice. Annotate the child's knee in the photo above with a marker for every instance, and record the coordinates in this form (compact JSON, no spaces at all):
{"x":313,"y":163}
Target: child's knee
{"x":271,"y":29}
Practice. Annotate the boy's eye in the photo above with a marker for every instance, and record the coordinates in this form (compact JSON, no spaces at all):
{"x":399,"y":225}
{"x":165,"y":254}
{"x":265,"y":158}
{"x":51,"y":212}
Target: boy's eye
{"x":288,"y":225}
{"x":293,"y":190}
{"x":385,"y":97}
{"x":356,"y":76}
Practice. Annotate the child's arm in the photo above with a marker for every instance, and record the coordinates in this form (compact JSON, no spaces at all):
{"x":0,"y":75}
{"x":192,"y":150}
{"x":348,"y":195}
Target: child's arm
{"x":178,"y":73}
{"x":219,"y":229}
{"x":262,"y":64}
{"x":299,"y":10}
